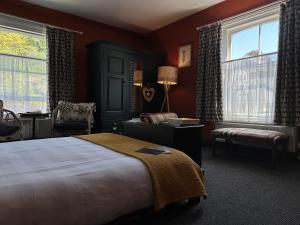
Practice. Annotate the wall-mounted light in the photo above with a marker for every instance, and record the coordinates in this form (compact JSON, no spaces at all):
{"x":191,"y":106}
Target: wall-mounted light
{"x":138,"y":78}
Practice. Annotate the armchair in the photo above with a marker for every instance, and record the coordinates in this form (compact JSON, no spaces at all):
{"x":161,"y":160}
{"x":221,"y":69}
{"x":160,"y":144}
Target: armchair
{"x":10,"y":125}
{"x":72,"y":118}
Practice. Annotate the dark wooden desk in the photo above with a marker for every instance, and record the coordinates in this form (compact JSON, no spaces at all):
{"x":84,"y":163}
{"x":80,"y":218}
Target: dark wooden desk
{"x":34,"y":116}
{"x":189,"y":140}
{"x":184,"y":138}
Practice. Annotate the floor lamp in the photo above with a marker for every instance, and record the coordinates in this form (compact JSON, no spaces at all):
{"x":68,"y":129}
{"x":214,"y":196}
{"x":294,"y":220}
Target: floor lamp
{"x":138,"y":82}
{"x":167,"y":75}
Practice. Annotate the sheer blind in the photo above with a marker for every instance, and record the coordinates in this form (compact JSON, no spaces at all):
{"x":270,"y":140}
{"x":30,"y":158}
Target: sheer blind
{"x":249,"y":89}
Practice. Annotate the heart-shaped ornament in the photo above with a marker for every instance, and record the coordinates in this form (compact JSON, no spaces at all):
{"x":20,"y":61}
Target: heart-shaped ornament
{"x":148,"y":93}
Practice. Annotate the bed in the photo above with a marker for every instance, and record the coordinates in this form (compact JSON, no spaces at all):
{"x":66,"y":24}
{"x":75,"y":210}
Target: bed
{"x":69,"y":181}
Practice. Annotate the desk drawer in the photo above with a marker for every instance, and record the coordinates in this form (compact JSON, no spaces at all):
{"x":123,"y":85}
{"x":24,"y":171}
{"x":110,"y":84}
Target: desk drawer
{"x":112,"y":125}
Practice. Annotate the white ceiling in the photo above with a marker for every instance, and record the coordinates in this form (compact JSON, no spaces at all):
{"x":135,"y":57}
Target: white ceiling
{"x":137,"y":15}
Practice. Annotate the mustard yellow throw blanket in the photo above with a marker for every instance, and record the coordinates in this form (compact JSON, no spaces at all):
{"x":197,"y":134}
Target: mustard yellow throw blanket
{"x":175,"y":176}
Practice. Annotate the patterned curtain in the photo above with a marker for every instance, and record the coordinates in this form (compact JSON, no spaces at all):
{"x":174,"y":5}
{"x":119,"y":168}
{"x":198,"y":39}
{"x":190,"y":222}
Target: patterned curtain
{"x":132,"y":89}
{"x":61,"y":79}
{"x":287,"y":103}
{"x":209,"y":84}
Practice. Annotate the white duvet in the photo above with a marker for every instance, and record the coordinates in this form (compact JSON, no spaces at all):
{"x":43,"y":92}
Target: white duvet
{"x":64,"y":181}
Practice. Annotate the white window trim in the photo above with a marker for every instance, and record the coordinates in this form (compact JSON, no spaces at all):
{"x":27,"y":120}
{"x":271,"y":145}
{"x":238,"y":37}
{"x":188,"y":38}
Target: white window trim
{"x":250,"y":19}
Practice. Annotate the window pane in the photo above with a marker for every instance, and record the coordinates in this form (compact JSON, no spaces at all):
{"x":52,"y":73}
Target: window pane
{"x":245,"y":43}
{"x":269,"y":37}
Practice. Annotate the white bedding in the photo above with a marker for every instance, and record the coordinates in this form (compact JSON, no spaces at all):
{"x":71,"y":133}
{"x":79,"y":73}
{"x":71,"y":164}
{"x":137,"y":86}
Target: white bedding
{"x":68,"y":181}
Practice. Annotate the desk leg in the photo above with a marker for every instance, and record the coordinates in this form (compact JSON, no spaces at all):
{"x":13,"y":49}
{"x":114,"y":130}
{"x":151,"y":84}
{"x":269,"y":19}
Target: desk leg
{"x":194,"y":201}
{"x":214,"y":147}
{"x":33,"y":128}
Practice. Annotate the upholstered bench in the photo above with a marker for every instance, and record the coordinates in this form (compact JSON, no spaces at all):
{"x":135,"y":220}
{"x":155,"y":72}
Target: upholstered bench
{"x":255,"y":137}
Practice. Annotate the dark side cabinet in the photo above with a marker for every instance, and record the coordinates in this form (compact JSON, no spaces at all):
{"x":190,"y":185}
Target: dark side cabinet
{"x":110,"y":73}
{"x":115,"y":77}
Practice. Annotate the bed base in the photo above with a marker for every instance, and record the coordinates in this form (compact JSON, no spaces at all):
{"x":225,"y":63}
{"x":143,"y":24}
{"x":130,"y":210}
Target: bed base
{"x":134,"y":216}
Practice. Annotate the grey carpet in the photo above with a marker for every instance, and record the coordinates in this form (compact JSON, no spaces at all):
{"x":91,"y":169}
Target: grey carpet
{"x":242,"y":189}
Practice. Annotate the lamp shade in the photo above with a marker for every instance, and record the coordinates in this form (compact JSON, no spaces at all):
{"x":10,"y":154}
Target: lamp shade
{"x":138,"y":78}
{"x":167,"y":75}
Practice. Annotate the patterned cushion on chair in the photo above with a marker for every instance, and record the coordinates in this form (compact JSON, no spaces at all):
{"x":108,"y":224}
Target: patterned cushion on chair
{"x":74,"y":111}
{"x":6,"y":130}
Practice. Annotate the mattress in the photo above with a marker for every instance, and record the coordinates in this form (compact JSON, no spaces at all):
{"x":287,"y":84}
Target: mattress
{"x":69,"y":181}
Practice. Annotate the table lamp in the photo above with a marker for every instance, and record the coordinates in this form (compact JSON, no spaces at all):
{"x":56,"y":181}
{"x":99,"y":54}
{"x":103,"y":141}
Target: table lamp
{"x":167,"y":75}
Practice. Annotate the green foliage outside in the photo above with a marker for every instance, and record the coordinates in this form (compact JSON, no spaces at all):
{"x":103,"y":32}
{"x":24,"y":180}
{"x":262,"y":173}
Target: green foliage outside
{"x":22,"y":44}
{"x":23,"y":78}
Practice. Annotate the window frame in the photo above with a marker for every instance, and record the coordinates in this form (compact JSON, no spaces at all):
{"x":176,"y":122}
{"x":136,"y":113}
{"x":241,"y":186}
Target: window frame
{"x":18,"y":25}
{"x":246,"y":21}
{"x":241,"y":22}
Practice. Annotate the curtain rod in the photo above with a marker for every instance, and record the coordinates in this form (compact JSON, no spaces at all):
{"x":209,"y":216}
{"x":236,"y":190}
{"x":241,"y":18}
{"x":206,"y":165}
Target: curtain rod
{"x":45,"y":24}
{"x":245,"y":13}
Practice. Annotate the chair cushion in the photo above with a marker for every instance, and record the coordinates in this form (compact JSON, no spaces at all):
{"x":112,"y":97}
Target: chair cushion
{"x":157,"y":118}
{"x":74,"y":111}
{"x":71,"y":125}
{"x":6,"y":130}
{"x":145,"y":117}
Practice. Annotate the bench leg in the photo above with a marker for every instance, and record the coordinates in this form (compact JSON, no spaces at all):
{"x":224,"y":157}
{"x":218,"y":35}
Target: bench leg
{"x":285,"y":149}
{"x":227,"y":145}
{"x":214,"y":147}
{"x":274,"y":156}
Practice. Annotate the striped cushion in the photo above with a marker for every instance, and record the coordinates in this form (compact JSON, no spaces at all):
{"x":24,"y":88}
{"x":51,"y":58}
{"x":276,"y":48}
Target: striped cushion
{"x":158,"y":118}
{"x":145,"y":117}
{"x":250,"y":135}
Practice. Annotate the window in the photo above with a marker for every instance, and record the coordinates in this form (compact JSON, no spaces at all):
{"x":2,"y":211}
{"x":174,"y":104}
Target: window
{"x":249,"y":67}
{"x":23,"y":73}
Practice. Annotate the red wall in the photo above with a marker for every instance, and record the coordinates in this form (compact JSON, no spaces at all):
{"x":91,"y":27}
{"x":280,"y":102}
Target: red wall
{"x":170,"y":37}
{"x":91,"y":31}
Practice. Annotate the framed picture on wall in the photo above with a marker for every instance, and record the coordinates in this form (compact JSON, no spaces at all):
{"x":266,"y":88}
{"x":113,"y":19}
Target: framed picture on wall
{"x":184,"y":57}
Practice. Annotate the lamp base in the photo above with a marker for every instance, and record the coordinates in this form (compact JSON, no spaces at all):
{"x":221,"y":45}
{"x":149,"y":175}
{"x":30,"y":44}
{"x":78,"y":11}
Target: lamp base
{"x":166,"y":103}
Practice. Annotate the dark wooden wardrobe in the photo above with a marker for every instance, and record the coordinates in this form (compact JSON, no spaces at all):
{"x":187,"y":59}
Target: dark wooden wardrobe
{"x":110,"y":74}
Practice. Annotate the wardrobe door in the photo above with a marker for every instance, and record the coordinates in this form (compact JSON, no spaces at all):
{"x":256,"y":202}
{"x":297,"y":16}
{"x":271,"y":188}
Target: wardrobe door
{"x":115,"y":85}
